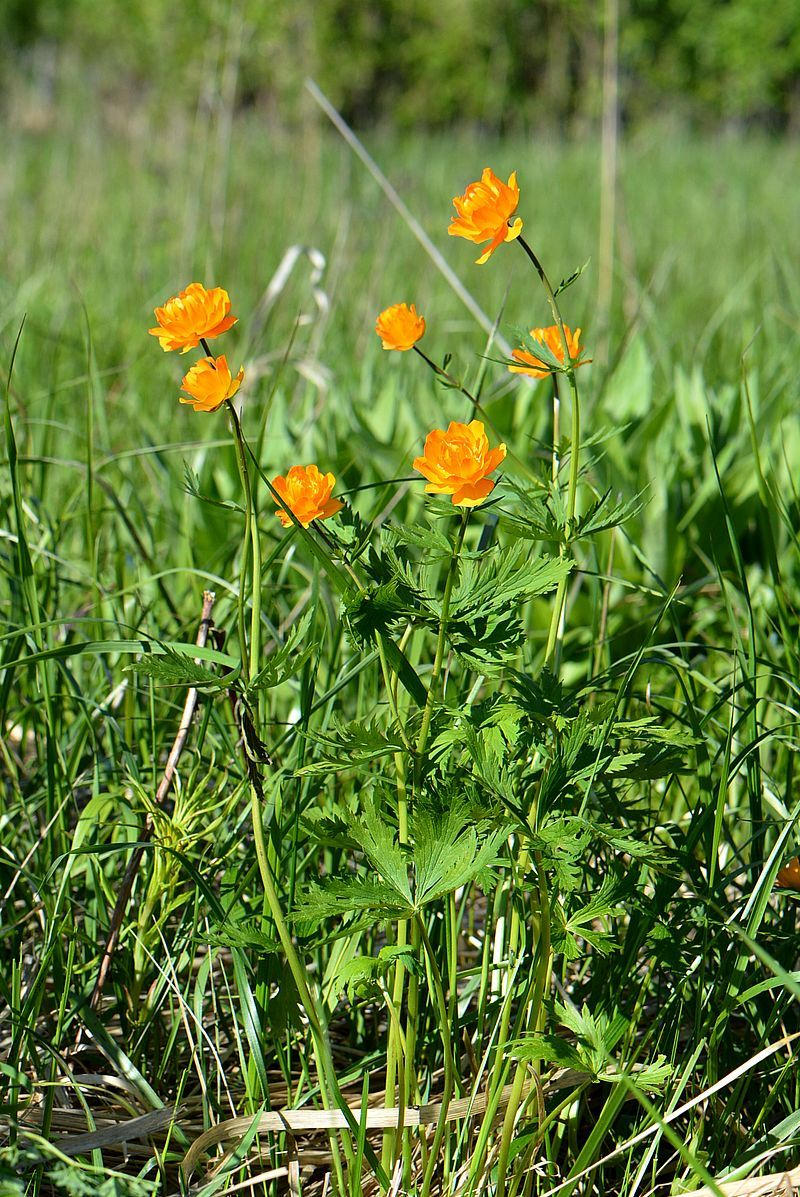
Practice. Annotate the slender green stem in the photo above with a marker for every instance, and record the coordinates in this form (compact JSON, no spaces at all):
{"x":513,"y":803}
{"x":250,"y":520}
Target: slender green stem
{"x":329,"y":1088}
{"x":556,"y":632}
{"x":252,"y":539}
{"x":544,"y":963}
{"x":441,"y":640}
{"x":447,"y":1048}
{"x":459,"y":386}
{"x":244,"y":476}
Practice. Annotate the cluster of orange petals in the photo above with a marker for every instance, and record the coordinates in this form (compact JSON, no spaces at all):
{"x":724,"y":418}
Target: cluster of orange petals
{"x":484,"y":212}
{"x":399,"y":326}
{"x":209,"y":383}
{"x":551,"y":338}
{"x":194,"y":314}
{"x":457,"y":461}
{"x":307,"y":494}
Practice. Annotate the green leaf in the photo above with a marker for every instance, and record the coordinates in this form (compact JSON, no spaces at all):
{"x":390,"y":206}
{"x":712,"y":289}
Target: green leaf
{"x":284,"y":662}
{"x":483,"y":625}
{"x":550,"y":1048}
{"x":338,"y":896}
{"x":173,"y":668}
{"x":451,"y":850}
{"x":352,"y":745}
{"x":567,"y":282}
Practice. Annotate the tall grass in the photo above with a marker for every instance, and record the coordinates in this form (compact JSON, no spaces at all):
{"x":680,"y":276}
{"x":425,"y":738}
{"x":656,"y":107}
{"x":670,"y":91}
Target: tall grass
{"x":595,"y":986}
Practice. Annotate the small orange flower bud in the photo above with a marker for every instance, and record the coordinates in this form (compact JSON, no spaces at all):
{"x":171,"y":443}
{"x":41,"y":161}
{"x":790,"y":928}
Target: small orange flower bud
{"x":484,"y":212}
{"x":193,"y":314}
{"x":456,"y":462}
{"x":307,"y":493}
{"x":551,"y":338}
{"x":789,"y":876}
{"x":209,"y":384}
{"x":399,"y":327}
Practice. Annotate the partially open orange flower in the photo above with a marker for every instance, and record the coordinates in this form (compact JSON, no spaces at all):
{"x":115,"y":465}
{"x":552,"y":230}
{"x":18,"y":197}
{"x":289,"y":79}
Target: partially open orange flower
{"x":484,"y":212}
{"x":209,"y":384}
{"x":193,"y":314}
{"x":399,"y":327}
{"x":551,"y":338}
{"x":789,"y":876}
{"x":308,"y":493}
{"x":456,"y":462}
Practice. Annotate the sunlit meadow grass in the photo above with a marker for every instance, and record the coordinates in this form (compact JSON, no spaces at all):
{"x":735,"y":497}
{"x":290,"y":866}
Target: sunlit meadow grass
{"x":675,"y":963}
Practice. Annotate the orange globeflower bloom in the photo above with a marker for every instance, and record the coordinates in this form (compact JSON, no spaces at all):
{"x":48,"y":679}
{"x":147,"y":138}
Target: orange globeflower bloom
{"x":789,"y":876}
{"x":399,"y":327}
{"x":209,"y":384}
{"x":457,"y":461}
{"x":193,"y":314}
{"x":485,"y":210}
{"x":551,"y":338}
{"x":308,"y":493}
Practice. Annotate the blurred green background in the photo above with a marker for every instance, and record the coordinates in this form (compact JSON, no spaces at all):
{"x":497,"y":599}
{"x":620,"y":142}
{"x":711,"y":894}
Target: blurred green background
{"x":500,"y":64}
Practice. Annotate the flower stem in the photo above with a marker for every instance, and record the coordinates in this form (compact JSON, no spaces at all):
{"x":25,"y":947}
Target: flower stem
{"x":457,"y":385}
{"x":447,"y":1048}
{"x":322,"y":1051}
{"x":244,"y":476}
{"x":441,"y":641}
{"x":556,"y":632}
{"x":252,"y":539}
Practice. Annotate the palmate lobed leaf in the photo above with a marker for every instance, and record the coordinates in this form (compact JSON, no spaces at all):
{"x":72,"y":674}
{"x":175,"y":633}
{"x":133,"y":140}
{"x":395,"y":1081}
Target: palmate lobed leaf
{"x":353,"y":744}
{"x":452,"y":850}
{"x":338,"y":896}
{"x":173,"y":668}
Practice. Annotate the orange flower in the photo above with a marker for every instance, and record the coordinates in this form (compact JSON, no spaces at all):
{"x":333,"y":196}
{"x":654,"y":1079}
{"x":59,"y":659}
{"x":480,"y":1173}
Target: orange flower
{"x":456,"y":463}
{"x":399,"y":327}
{"x":209,"y":384}
{"x":551,"y":338}
{"x":193,"y":314}
{"x":308,"y":493}
{"x":484,"y":212}
{"x":789,"y":876}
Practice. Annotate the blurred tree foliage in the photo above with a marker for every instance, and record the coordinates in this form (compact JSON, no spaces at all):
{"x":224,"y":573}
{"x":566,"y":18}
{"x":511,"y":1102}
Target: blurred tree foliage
{"x":498,"y":63}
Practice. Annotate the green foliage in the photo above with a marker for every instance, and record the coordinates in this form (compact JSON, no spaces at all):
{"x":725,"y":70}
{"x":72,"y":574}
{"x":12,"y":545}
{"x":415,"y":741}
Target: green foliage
{"x":508,"y":62}
{"x":606,"y":829}
{"x":172,"y":668}
{"x":596,"y":1038}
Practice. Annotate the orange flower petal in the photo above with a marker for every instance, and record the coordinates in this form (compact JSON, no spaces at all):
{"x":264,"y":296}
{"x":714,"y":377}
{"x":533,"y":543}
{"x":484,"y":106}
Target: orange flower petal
{"x":193,"y":314}
{"x":307,"y":494}
{"x":485,"y":210}
{"x":456,"y":462}
{"x":400,"y":327}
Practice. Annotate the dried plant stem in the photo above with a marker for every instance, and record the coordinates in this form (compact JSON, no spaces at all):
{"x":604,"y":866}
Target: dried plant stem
{"x":126,"y":885}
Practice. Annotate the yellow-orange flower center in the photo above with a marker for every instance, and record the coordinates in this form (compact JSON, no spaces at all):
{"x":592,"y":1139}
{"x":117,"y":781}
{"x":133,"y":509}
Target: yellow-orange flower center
{"x":209,"y":383}
{"x":484,"y":212}
{"x":307,"y":493}
{"x":457,"y":461}
{"x":399,"y":326}
{"x":193,"y":315}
